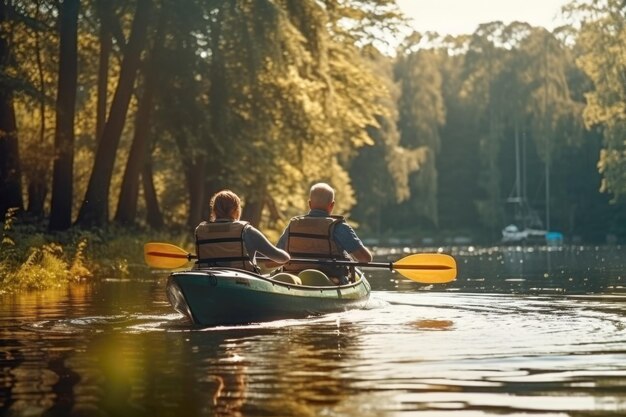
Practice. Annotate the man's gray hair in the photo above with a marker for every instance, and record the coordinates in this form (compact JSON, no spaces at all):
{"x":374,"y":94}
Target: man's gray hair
{"x":321,"y":195}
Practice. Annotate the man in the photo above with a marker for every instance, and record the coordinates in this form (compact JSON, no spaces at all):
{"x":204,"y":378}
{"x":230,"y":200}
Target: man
{"x":320,"y":235}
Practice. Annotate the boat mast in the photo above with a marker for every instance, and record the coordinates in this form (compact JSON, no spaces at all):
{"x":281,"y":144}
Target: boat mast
{"x":546,"y":130}
{"x":518,"y":182}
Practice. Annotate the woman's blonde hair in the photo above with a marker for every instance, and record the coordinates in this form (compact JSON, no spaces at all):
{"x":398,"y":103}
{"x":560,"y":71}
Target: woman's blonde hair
{"x":224,"y":204}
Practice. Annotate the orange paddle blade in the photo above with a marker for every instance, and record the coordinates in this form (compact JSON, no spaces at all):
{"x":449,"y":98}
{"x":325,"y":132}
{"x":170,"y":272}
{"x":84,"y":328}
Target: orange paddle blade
{"x":427,"y":268}
{"x":165,"y":255}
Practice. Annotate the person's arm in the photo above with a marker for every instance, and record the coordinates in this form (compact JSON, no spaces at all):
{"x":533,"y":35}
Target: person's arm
{"x":281,"y":244}
{"x":362,"y":254}
{"x":257,"y":242}
{"x":346,"y":237}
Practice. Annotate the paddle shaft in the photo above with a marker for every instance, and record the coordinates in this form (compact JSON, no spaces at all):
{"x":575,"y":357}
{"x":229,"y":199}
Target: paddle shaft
{"x":423,"y":268}
{"x":338,"y":262}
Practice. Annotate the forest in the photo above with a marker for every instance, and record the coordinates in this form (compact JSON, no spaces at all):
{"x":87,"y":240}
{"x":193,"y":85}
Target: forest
{"x":130,"y":114}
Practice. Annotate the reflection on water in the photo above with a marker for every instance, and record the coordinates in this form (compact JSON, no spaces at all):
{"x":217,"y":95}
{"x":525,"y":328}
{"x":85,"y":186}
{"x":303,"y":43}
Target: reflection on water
{"x":508,"y":338}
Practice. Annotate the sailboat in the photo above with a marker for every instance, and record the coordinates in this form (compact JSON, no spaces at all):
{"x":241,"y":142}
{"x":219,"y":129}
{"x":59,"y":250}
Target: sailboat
{"x":530,"y":231}
{"x":526,"y":226}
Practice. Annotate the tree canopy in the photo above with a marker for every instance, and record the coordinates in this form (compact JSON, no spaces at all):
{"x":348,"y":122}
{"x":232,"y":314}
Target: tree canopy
{"x":133,"y":112}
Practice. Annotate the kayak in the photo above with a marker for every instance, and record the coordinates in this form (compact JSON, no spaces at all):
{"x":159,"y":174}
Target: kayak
{"x":225,"y":296}
{"x":212,"y":296}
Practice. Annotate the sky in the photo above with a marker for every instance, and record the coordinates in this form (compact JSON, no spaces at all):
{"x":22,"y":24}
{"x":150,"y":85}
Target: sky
{"x":456,"y":17}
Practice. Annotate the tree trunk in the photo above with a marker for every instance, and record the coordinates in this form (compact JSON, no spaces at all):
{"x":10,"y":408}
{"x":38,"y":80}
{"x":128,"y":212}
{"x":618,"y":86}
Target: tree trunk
{"x":194,"y":170}
{"x":154,"y":217}
{"x":218,"y":95}
{"x":211,"y":186}
{"x":129,"y":194}
{"x":10,"y":171}
{"x":63,"y":168}
{"x":94,"y":210}
{"x":253,"y":209}
{"x":38,"y":181}
{"x":197,"y":190}
{"x":127,"y":203}
{"x":37,"y":191}
{"x":106,"y":46}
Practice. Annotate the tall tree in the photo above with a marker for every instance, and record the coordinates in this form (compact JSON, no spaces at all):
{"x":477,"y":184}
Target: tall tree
{"x":553,"y":118}
{"x":38,"y":181}
{"x":482,"y":65}
{"x":10,"y":171}
{"x":421,"y":115}
{"x":601,"y":49}
{"x":129,"y":192}
{"x":154,"y":216}
{"x":384,"y":157}
{"x":63,"y":168}
{"x":103,"y":8}
{"x":94,"y":210}
{"x":459,"y":156}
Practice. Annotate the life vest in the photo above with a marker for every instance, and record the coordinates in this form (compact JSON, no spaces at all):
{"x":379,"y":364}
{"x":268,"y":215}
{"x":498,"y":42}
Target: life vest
{"x":221,"y":244}
{"x":313,"y":237}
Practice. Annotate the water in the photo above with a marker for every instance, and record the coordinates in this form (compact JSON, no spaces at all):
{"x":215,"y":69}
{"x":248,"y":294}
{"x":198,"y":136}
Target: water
{"x":522,"y":332}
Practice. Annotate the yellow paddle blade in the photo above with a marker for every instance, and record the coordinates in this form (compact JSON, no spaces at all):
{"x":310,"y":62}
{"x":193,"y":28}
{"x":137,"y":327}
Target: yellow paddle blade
{"x":427,"y":268}
{"x":165,"y":255}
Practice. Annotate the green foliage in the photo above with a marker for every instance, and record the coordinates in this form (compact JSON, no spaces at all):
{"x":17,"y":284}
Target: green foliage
{"x":28,"y":260}
{"x":467,"y":102}
{"x":43,"y":268}
{"x":31,"y":259}
{"x":601,"y":49}
{"x":266,"y":97}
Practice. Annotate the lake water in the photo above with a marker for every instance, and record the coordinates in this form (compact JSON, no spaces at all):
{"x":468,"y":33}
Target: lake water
{"x":522,"y":332}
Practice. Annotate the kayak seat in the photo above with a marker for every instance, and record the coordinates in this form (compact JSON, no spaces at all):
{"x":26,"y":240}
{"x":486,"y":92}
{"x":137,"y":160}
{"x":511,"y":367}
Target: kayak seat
{"x":315,"y":278}
{"x":287,"y":278}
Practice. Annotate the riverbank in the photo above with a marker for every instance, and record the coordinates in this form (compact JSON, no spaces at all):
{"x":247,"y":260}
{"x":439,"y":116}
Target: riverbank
{"x":31,"y":258}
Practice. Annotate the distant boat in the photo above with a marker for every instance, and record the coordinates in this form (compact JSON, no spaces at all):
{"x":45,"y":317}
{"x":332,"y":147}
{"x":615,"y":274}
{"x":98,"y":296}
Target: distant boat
{"x":526,"y":226}
{"x":512,"y":234}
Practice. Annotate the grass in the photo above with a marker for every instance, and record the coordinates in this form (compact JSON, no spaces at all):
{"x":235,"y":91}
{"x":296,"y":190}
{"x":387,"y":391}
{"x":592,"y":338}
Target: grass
{"x":33,"y":259}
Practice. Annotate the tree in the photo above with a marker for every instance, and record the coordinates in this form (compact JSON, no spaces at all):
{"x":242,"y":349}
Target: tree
{"x":62,"y":181}
{"x":10,"y":170}
{"x":38,"y":167}
{"x":129,"y":192}
{"x":421,"y":115}
{"x":104,"y":14}
{"x":482,"y":64}
{"x":94,"y":210}
{"x":385,"y":158}
{"x":459,"y":158}
{"x":602,"y":56}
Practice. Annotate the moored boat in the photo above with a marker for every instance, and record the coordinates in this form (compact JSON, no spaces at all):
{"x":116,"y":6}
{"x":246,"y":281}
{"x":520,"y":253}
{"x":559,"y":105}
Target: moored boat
{"x":227,"y":296}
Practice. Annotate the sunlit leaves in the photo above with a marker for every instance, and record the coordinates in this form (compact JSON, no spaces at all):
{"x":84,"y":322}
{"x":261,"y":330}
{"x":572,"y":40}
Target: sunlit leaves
{"x":602,"y":56}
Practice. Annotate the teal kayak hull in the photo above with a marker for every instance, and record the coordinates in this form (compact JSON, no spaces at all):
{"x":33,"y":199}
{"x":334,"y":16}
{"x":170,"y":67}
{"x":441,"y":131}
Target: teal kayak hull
{"x":224,"y":296}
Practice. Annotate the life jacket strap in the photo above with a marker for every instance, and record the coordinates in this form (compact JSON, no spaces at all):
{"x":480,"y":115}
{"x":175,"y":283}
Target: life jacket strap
{"x":309,"y":235}
{"x":224,"y":259}
{"x":220,"y":240}
{"x":312,"y":255}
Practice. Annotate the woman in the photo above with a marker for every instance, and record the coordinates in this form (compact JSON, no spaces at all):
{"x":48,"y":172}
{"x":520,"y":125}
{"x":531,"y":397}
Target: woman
{"x":229,"y":242}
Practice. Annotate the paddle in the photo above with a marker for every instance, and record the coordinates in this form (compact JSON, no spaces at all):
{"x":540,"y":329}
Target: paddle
{"x":427,"y":268}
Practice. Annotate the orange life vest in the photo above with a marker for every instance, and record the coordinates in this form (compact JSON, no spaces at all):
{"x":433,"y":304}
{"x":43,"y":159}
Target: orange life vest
{"x":221,"y":244}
